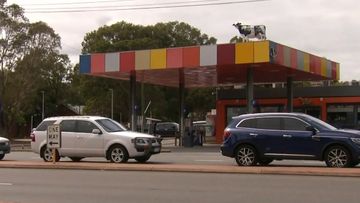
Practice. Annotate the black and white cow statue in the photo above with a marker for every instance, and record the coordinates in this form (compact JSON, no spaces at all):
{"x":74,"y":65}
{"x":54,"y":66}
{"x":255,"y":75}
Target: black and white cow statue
{"x":247,"y":31}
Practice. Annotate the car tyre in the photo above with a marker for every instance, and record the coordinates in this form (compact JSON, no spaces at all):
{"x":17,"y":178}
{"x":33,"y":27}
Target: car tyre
{"x":46,"y":154}
{"x":118,"y":154}
{"x":2,"y":156}
{"x":338,"y":156}
{"x":76,"y":159}
{"x":245,"y":155}
{"x":143,"y":159}
{"x":265,"y":161}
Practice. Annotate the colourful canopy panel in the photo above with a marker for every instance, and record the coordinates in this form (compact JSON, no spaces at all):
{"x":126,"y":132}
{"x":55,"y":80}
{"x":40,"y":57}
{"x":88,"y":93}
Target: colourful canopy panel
{"x":212,"y":64}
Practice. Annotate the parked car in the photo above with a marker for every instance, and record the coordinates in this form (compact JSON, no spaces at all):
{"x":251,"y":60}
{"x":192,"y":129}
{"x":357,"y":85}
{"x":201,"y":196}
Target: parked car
{"x":93,"y":136}
{"x":4,"y":147}
{"x":167,"y":129}
{"x":261,"y":138}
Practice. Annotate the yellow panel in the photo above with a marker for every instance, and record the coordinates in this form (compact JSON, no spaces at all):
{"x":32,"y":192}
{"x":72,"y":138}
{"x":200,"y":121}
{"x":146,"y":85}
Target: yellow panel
{"x":244,"y":52}
{"x":306,"y":62}
{"x":337,"y":71}
{"x":323,"y":67}
{"x":142,"y":60}
{"x":158,"y":59}
{"x":261,"y":52}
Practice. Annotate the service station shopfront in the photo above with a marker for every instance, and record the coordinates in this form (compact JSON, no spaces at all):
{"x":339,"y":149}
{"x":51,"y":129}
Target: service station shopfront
{"x":224,"y":65}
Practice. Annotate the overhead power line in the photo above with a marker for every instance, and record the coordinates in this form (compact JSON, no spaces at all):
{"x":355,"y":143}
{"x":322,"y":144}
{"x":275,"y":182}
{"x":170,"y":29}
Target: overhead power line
{"x":140,"y":7}
{"x":74,"y":3}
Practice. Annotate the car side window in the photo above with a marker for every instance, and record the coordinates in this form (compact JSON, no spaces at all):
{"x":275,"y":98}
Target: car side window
{"x":273,"y":123}
{"x":294,"y":124}
{"x":44,"y":125}
{"x":67,"y":125}
{"x":248,"y":123}
{"x":85,"y":127}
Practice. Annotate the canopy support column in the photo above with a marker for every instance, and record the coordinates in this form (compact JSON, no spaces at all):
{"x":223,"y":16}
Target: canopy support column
{"x":132,"y":99}
{"x":290,"y":94}
{"x":250,"y":90}
{"x":182,"y":104}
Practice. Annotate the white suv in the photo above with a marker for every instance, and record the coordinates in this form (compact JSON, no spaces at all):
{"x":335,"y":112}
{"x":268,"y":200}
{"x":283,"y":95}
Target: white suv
{"x":94,"y":136}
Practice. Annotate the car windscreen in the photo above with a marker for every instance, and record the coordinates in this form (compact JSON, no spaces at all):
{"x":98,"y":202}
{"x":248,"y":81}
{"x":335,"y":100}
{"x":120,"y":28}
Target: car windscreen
{"x":44,"y":125}
{"x":110,"y":125}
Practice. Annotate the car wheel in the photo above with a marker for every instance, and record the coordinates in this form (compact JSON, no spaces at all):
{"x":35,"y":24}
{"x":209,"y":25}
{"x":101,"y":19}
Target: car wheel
{"x":245,"y":155}
{"x":265,"y":161}
{"x":76,"y":159}
{"x":47,"y":155}
{"x":118,"y":154}
{"x":2,"y":156}
{"x":337,"y":156}
{"x":143,"y":159}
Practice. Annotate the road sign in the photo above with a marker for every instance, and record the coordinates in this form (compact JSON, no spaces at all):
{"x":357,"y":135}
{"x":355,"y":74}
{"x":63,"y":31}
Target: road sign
{"x":53,"y":136}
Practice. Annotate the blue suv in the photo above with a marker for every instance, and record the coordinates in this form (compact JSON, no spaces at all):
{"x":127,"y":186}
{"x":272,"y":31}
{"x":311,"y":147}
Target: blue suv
{"x":260,"y":138}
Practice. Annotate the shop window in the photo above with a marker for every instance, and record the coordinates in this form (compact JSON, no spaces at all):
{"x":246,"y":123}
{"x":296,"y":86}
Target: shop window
{"x":341,"y":116}
{"x":234,"y":111}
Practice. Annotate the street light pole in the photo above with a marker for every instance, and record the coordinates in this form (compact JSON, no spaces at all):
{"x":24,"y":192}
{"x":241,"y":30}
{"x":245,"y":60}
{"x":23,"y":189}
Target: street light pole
{"x":112,"y":103}
{"x":43,"y":105}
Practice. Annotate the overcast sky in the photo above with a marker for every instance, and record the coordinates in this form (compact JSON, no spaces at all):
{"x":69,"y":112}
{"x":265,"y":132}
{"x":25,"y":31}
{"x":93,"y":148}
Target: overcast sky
{"x":327,"y":28}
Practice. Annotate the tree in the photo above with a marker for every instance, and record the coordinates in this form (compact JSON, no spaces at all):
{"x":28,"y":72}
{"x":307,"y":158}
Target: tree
{"x":123,"y":36}
{"x":30,"y":63}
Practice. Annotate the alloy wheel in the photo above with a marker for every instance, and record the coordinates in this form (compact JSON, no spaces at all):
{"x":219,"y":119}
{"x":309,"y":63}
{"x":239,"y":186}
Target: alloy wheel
{"x":337,"y":157}
{"x":246,"y":156}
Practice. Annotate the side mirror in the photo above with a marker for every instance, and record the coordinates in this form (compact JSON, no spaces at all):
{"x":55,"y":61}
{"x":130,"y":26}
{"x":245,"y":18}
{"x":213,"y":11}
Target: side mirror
{"x":311,"y":128}
{"x":96,"y":131}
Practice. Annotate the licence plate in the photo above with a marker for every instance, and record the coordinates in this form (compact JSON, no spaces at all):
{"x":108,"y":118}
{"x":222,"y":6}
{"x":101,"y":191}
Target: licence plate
{"x":156,"y":149}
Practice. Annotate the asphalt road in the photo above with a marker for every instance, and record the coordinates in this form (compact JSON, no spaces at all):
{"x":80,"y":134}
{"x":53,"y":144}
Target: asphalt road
{"x":186,"y":156}
{"x":36,"y":185}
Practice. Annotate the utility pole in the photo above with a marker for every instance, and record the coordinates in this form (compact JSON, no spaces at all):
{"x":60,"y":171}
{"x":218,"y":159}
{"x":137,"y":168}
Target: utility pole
{"x":43,"y":105}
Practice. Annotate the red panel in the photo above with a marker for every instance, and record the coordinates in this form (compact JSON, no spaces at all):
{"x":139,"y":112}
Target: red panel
{"x":127,"y":61}
{"x":225,"y":54}
{"x":97,"y":63}
{"x":174,"y":58}
{"x":279,"y":58}
{"x":333,"y":70}
{"x":318,"y":65}
{"x":312,"y":63}
{"x":293,"y":58}
{"x":191,"y":56}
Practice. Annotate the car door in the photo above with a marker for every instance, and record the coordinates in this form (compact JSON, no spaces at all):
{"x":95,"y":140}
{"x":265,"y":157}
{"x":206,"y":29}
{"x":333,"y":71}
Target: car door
{"x":67,"y":128}
{"x":298,"y":141}
{"x":269,"y":136}
{"x":88,"y":143}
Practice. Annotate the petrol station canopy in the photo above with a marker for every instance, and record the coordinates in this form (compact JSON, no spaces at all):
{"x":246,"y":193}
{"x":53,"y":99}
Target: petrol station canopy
{"x":212,"y":65}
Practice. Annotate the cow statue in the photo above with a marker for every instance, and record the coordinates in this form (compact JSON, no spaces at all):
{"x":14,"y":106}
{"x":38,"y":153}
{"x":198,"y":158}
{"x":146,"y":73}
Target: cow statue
{"x":248,"y":32}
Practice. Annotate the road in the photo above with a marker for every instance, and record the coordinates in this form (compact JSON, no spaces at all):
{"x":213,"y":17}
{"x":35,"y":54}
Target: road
{"x":36,"y":185}
{"x":187,"y":156}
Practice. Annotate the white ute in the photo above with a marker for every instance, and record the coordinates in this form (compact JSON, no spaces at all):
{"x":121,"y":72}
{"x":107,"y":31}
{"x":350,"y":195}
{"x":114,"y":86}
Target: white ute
{"x":94,"y":136}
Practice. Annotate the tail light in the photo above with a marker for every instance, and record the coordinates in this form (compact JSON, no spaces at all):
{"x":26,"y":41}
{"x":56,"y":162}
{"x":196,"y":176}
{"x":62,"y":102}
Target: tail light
{"x":32,"y":136}
{"x":226,"y":135}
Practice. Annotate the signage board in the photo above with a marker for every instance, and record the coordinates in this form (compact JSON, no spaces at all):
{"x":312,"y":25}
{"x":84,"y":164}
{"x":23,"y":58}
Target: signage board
{"x":53,"y":137}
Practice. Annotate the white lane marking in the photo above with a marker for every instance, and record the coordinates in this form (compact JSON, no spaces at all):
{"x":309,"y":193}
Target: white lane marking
{"x":203,"y":160}
{"x":6,"y":184}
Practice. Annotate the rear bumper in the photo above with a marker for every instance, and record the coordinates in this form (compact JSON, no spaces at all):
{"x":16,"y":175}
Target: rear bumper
{"x":226,"y":151}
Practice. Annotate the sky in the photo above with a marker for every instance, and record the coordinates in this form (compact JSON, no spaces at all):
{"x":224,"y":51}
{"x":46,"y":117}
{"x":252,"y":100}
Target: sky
{"x":325,"y":28}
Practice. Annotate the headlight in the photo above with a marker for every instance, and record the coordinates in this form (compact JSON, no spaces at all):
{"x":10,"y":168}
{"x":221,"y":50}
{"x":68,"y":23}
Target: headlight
{"x":356,"y":140}
{"x":141,"y":141}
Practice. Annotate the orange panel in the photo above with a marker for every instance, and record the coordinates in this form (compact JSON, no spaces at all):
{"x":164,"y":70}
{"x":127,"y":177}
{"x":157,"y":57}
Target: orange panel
{"x":191,"y":56}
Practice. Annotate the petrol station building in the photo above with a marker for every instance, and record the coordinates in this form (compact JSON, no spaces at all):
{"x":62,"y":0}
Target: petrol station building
{"x":245,"y":63}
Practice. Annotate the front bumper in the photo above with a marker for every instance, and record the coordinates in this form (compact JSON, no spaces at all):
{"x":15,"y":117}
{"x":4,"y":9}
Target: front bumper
{"x":4,"y":149}
{"x":153,"y":146}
